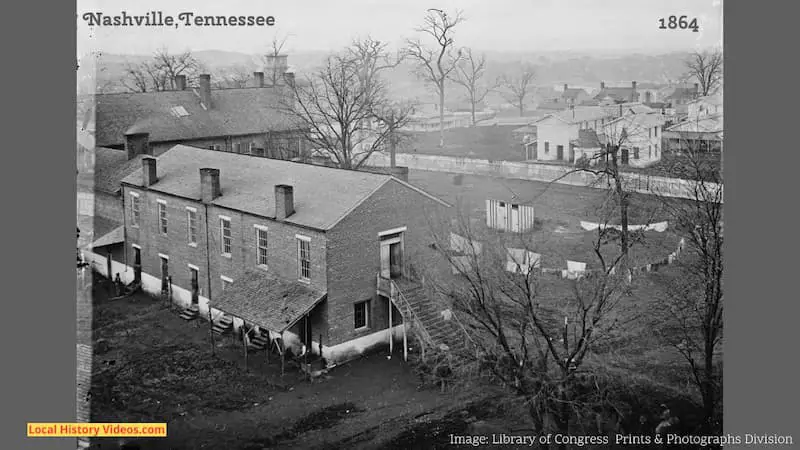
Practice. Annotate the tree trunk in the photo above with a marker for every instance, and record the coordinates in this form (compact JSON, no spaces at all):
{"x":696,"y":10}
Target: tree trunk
{"x":707,"y":388}
{"x":441,"y":116}
{"x":473,"y":114}
{"x":392,"y":150}
{"x":521,"y":108}
{"x":623,"y":205}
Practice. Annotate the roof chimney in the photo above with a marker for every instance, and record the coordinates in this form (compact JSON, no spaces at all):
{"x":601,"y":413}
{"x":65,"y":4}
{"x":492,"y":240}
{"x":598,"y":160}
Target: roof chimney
{"x":209,"y":185}
{"x":149,"y":174}
{"x":137,"y":144}
{"x":284,"y":201}
{"x":180,"y":82}
{"x":602,"y":85}
{"x":566,"y":86}
{"x":205,"y":90}
{"x":259,"y":78}
{"x":633,"y":85}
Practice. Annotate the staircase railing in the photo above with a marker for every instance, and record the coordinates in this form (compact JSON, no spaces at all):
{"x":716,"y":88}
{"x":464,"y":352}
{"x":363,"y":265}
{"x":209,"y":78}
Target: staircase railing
{"x":397,"y":298}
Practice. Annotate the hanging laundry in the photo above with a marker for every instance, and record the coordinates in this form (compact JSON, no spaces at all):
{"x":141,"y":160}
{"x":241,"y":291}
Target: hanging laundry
{"x":447,"y":315}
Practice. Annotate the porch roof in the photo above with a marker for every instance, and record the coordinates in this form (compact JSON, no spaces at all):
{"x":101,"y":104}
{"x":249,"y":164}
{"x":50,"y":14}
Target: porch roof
{"x":268,"y":301}
{"x":116,"y":236}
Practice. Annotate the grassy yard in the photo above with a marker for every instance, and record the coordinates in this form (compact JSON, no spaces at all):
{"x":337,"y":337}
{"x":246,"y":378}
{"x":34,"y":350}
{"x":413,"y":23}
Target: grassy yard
{"x":559,"y":209}
{"x":483,"y":142}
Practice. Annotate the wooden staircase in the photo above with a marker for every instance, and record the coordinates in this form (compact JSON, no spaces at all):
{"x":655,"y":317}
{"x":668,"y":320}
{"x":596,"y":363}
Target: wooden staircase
{"x":259,"y":341}
{"x":191,"y":313}
{"x":222,"y":326}
{"x":424,"y":316}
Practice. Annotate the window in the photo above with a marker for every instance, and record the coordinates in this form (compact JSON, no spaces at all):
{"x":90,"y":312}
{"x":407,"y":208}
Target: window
{"x":361,"y":315}
{"x":635,"y":152}
{"x":191,"y":221}
{"x":656,"y":150}
{"x":261,"y":245}
{"x":237,"y":147}
{"x":162,"y":216}
{"x":135,"y":209}
{"x":649,"y":132}
{"x":546,"y":147}
{"x":252,"y":147}
{"x":215,"y":147}
{"x":225,"y":232}
{"x":304,"y":258}
{"x":226,"y":282}
{"x":656,"y":131}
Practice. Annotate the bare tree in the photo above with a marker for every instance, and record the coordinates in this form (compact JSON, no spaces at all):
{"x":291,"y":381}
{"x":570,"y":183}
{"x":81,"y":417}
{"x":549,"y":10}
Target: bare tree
{"x":136,"y":78}
{"x":436,"y":64}
{"x":706,"y":68}
{"x":691,"y":317}
{"x":238,"y":76}
{"x":469,"y":74}
{"x":173,"y":64}
{"x":344,"y":117}
{"x":518,"y":86}
{"x":533,"y":332}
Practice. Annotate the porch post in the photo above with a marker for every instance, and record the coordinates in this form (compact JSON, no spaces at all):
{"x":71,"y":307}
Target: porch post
{"x":405,"y":341}
{"x":283,"y":353}
{"x":391,"y":341}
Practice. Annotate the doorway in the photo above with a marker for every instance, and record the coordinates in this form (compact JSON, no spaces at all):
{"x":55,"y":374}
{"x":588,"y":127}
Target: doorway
{"x":392,"y":255}
{"x":164,"y":273}
{"x":137,"y":265}
{"x":560,"y":152}
{"x":195,"y":285}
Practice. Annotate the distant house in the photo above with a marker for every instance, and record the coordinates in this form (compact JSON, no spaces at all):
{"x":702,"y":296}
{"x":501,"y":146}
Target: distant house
{"x":703,"y":133}
{"x":680,"y":96}
{"x":556,"y":132}
{"x":307,"y":257}
{"x":243,"y":120}
{"x":616,"y":95}
{"x":639,"y":137}
{"x":709,"y":105}
{"x":526,"y":136}
{"x":574,"y":96}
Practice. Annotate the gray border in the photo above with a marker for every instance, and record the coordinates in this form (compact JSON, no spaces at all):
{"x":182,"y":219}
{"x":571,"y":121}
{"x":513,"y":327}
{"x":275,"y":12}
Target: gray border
{"x":39,"y":366}
{"x":39,"y":327}
{"x":761,"y":394}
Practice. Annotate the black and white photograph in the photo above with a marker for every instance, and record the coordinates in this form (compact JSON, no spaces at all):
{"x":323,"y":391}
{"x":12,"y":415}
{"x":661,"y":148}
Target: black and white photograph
{"x":401,"y":225}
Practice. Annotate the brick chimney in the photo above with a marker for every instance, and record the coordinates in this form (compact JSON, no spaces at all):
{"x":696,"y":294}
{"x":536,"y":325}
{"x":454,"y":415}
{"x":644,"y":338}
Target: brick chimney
{"x":209,"y":185}
{"x":284,"y":201}
{"x":400,"y":172}
{"x":259,"y":79}
{"x":289,"y":77}
{"x":137,"y":144}
{"x":149,"y":174}
{"x":602,"y":85}
{"x":205,"y":90}
{"x":180,"y":82}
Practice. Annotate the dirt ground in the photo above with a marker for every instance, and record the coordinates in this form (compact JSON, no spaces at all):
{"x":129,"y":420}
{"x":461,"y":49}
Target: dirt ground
{"x":160,"y":368}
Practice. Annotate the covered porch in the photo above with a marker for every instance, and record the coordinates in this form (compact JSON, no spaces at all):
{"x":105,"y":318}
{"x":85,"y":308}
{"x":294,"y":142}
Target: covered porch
{"x":273,"y":314}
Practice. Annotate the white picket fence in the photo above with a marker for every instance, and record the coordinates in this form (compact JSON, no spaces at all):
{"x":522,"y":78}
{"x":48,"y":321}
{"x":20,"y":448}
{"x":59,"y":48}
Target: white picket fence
{"x":645,"y":184}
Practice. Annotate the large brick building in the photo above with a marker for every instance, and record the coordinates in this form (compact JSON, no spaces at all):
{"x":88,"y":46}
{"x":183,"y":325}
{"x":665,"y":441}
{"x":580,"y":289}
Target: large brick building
{"x":290,"y":248}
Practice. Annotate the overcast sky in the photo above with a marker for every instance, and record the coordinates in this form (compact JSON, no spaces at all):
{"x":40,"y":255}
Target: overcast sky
{"x":492,"y":25}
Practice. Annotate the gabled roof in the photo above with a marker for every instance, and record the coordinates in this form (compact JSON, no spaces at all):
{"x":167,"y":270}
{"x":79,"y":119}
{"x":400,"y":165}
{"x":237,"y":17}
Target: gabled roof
{"x":713,"y":99}
{"x":587,"y":138}
{"x":233,"y":112}
{"x":708,"y":124}
{"x":625,"y":94}
{"x":263,"y":299}
{"x":323,"y":196}
{"x":583,"y":113}
{"x":111,"y":167}
{"x":573,"y":93}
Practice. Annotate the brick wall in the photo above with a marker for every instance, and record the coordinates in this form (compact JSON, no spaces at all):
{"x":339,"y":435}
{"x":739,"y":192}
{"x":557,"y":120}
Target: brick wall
{"x":281,"y":254}
{"x":354,"y":253}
